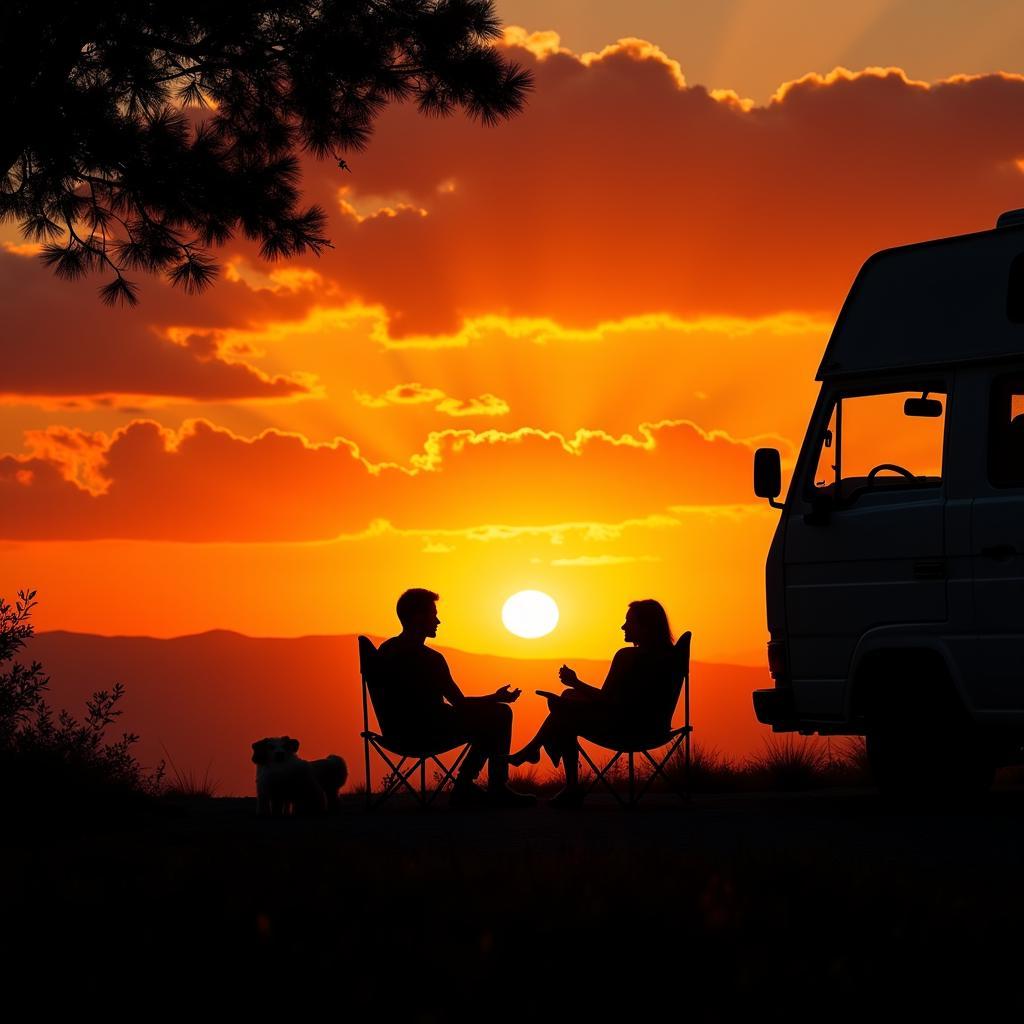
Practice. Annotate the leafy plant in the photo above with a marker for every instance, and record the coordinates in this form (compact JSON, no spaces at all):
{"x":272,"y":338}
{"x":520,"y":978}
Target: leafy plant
{"x":46,"y":755}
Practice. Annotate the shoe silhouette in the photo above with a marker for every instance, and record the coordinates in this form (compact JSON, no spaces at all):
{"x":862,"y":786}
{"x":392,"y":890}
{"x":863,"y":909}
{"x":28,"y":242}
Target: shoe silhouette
{"x":568,"y":798}
{"x":528,"y":755}
{"x":502,"y":796}
{"x":467,"y":794}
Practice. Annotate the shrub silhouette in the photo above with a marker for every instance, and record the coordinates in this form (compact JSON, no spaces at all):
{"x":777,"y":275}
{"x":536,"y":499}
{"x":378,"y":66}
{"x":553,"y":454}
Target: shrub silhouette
{"x":58,"y":764}
{"x":789,"y":764}
{"x":711,"y":771}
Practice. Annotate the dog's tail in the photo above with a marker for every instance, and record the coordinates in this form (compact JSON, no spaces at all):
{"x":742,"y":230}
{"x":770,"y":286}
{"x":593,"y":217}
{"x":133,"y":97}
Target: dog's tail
{"x":340,"y":769}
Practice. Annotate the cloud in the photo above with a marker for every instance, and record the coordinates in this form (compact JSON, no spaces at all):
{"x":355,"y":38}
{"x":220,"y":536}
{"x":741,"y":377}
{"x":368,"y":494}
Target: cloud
{"x":204,"y":483}
{"x":623,"y":190}
{"x":415,"y":393}
{"x":592,"y":561}
{"x":401,"y":394}
{"x":437,"y":548}
{"x":485,"y":405}
{"x":59,"y":344}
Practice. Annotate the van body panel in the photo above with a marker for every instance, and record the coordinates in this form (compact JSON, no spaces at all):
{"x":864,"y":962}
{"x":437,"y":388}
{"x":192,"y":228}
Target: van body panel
{"x":998,"y":541}
{"x":859,"y":571}
{"x":935,"y":303}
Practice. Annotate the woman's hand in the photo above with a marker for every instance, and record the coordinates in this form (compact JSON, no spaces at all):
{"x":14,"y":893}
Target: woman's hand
{"x":568,"y":676}
{"x":506,"y":695}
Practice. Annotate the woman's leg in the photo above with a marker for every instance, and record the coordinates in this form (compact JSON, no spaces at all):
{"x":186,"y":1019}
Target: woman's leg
{"x":567,"y":721}
{"x":571,"y":760}
{"x":531,"y":752}
{"x":548,"y":736}
{"x":577,"y":718}
{"x":571,"y":795}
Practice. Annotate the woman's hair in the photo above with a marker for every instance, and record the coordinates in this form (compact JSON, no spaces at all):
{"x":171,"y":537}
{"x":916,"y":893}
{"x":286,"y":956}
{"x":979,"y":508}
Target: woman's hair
{"x":653,"y":621}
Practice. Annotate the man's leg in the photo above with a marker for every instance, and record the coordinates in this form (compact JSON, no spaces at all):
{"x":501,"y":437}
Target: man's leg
{"x":571,"y":761}
{"x":474,"y":759}
{"x":488,"y":727}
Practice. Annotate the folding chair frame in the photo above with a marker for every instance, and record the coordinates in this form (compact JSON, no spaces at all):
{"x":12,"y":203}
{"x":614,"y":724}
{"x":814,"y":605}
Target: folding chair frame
{"x":399,"y":774}
{"x":675,"y":737}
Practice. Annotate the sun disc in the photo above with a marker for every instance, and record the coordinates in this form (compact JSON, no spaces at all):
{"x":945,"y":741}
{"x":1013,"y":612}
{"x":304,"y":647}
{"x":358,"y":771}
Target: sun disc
{"x":530,"y":614}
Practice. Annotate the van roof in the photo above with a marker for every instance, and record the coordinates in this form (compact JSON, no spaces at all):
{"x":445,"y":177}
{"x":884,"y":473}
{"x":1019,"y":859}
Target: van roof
{"x":932,"y":303}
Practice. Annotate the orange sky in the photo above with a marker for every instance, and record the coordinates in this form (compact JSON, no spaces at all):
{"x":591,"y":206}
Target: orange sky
{"x":538,"y":356}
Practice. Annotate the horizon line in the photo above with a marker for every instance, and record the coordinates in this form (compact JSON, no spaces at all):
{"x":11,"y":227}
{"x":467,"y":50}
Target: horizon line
{"x":342,"y":636}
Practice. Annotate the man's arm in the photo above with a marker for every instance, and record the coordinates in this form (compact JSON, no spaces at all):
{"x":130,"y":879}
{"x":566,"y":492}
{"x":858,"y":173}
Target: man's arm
{"x":448,"y":687}
{"x":451,"y":692}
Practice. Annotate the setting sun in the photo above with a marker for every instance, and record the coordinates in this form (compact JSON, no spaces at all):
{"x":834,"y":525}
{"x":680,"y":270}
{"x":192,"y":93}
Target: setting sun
{"x":530,"y":614}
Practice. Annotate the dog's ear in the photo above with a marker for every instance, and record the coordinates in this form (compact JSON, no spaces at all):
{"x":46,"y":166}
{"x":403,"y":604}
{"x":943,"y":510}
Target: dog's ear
{"x":293,"y":745}
{"x":259,"y":751}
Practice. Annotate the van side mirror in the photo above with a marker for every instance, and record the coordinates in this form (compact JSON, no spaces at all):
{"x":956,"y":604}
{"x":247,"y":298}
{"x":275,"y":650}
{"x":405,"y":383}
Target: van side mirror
{"x":768,"y":475}
{"x":929,"y":408}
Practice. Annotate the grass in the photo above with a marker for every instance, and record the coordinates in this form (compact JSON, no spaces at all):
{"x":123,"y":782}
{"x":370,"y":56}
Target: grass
{"x":188,"y":783}
{"x":533,"y":779}
{"x":786,"y":763}
{"x":789,"y":763}
{"x":710,"y":770}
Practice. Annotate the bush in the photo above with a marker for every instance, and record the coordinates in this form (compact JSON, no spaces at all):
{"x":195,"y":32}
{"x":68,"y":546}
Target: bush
{"x":710,"y":770}
{"x":789,"y":763}
{"x":58,"y":765}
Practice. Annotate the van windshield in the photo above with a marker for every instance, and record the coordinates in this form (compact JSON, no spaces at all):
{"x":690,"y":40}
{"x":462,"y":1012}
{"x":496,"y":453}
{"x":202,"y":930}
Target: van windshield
{"x":871,"y":442}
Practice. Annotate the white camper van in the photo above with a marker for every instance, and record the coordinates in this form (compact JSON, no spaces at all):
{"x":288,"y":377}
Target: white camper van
{"x":895,"y":580}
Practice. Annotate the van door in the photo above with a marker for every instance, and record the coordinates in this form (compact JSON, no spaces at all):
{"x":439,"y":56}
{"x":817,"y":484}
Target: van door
{"x":997,"y":553}
{"x":865,"y":533}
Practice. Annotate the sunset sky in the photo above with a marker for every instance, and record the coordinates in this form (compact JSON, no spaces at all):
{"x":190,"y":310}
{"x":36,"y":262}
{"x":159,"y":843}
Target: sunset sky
{"x":539,"y":355}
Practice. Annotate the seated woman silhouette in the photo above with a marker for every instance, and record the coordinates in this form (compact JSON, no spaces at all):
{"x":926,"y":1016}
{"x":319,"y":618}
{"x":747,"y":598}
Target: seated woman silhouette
{"x":636,"y":701}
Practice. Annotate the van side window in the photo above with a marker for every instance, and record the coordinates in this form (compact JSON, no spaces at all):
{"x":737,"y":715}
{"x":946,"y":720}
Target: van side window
{"x":882,"y":442}
{"x":1006,"y":431}
{"x":828,"y":467}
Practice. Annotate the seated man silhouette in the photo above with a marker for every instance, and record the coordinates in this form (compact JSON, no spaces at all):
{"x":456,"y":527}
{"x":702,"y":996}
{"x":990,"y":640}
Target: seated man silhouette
{"x":423,"y":706}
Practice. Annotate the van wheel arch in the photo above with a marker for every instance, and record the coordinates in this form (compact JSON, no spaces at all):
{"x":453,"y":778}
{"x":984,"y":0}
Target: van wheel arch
{"x":905,"y":676}
{"x":920,"y":735}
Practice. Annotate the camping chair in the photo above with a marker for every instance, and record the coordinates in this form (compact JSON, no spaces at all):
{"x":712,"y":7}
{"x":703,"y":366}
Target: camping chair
{"x":400,"y":774}
{"x":633,"y":745}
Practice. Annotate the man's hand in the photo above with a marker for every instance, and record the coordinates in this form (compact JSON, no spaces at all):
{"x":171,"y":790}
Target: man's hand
{"x":568,"y":676}
{"x":506,"y":695}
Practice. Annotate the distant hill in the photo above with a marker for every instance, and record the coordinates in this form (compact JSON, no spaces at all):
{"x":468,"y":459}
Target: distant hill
{"x":208,"y":696}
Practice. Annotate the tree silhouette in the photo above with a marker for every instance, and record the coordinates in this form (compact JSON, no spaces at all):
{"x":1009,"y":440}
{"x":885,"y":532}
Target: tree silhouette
{"x":104,"y":164}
